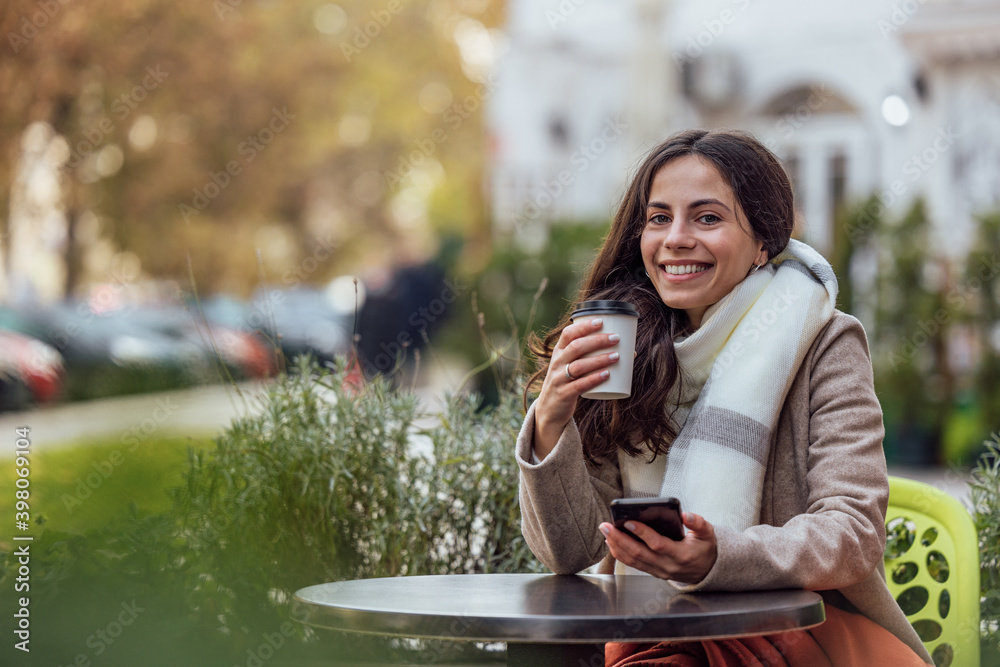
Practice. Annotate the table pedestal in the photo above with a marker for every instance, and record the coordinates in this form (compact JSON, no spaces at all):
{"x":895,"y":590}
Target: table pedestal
{"x":555,"y":655}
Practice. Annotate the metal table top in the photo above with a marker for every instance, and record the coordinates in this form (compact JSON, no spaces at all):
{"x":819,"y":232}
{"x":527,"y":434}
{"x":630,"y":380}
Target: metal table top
{"x":558,"y":609}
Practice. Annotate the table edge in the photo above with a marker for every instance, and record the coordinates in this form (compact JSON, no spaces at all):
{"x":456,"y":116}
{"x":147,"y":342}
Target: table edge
{"x":526,"y":628}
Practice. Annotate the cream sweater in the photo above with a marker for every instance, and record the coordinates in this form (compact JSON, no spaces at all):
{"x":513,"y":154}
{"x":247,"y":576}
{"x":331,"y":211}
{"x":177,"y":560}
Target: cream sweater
{"x":822,"y":515}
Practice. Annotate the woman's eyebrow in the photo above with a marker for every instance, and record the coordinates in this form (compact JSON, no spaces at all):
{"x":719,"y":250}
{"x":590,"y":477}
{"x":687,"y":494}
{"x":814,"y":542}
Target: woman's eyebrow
{"x":706,"y":202}
{"x":694,"y":204}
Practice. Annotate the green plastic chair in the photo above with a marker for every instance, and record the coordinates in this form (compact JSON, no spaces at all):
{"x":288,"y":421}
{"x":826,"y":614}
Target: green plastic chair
{"x":932,"y":568}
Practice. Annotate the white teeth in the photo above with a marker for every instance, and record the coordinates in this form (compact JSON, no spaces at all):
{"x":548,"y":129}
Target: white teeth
{"x":681,"y":270}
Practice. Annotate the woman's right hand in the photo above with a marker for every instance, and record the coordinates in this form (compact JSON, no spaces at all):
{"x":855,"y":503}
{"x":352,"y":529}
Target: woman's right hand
{"x":556,"y":403}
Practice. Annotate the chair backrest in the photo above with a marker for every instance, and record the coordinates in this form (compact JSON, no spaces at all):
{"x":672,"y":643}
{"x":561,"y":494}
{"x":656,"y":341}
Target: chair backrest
{"x":932,"y":568}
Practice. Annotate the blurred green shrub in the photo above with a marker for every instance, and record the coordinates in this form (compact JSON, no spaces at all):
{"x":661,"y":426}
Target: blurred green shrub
{"x":326,"y":484}
{"x":325,"y":481}
{"x":89,"y":382}
{"x":931,"y":327}
{"x":913,"y":375}
{"x":985,"y":501}
{"x":982,"y":288}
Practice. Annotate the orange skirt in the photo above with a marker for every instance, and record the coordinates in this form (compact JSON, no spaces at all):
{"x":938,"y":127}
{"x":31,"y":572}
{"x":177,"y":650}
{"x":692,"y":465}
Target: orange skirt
{"x":843,"y":640}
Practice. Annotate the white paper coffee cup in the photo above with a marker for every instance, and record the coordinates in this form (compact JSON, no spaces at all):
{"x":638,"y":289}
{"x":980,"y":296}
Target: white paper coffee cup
{"x":619,"y":317}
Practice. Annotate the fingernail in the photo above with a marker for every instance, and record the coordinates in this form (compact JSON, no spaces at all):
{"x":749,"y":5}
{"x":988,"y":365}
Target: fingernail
{"x":605,"y":374}
{"x":629,"y":525}
{"x":605,"y":530}
{"x":613,"y":356}
{"x":597,"y":321}
{"x":614,"y":338}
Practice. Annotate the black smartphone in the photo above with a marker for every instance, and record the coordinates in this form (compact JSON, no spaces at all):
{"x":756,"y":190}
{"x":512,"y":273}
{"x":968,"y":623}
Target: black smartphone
{"x":661,"y":514}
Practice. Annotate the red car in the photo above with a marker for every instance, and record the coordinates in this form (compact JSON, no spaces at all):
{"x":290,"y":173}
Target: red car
{"x":30,"y":371}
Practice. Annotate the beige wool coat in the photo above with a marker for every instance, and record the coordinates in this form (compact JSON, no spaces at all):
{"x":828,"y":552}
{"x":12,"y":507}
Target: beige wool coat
{"x":822,"y":515}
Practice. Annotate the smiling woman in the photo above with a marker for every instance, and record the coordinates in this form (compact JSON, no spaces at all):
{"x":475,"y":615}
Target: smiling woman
{"x":752,"y":403}
{"x":696,"y":244}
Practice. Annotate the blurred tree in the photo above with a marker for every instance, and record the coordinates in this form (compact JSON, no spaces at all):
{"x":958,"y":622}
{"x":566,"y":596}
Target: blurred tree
{"x":523,"y":289}
{"x":854,"y":230}
{"x":912,"y":375}
{"x":983,"y":288}
{"x":932,"y":329}
{"x":209,"y":129}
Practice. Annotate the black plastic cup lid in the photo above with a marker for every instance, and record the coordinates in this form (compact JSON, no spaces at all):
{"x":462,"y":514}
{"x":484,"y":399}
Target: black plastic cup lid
{"x":604,"y":308}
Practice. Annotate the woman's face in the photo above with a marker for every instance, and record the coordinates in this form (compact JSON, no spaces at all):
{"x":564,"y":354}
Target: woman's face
{"x":696,"y":243}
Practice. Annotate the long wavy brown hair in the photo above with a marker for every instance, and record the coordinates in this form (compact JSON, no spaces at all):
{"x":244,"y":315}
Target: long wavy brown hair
{"x":764,"y":193}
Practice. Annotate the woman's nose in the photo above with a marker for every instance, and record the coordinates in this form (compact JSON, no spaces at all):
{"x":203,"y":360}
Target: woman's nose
{"x":678,"y":235}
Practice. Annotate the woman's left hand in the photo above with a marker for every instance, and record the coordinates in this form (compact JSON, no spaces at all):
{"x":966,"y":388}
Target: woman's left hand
{"x":687,"y":560}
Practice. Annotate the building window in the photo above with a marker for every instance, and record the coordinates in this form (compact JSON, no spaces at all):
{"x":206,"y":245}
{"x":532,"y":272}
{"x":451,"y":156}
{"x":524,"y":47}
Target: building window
{"x":559,"y":133}
{"x":793,"y":169}
{"x":838,"y":184}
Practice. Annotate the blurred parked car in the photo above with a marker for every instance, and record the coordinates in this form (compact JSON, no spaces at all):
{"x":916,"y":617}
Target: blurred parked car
{"x":30,"y":371}
{"x":300,"y":321}
{"x":133,"y":350}
{"x":244,"y":353}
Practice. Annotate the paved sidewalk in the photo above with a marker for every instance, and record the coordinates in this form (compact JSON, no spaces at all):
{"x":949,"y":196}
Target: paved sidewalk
{"x":197,"y":411}
{"x":953,"y":482}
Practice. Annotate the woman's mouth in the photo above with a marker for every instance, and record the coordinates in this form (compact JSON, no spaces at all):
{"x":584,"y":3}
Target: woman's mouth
{"x":684,"y":269}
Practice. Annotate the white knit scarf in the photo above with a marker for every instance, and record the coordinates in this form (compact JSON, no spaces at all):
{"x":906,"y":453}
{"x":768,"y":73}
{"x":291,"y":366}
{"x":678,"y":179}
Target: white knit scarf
{"x":736,"y":371}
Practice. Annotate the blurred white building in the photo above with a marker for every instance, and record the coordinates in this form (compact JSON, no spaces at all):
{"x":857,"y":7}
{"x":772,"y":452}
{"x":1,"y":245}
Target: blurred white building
{"x":896,"y":97}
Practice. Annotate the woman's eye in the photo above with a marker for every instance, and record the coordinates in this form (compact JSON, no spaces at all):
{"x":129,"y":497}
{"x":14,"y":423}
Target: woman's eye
{"x":659,"y":219}
{"x":709,"y":218}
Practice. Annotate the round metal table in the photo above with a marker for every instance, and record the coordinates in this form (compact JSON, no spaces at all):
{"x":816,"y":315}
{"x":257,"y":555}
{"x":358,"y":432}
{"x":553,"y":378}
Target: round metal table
{"x":550,"y":619}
